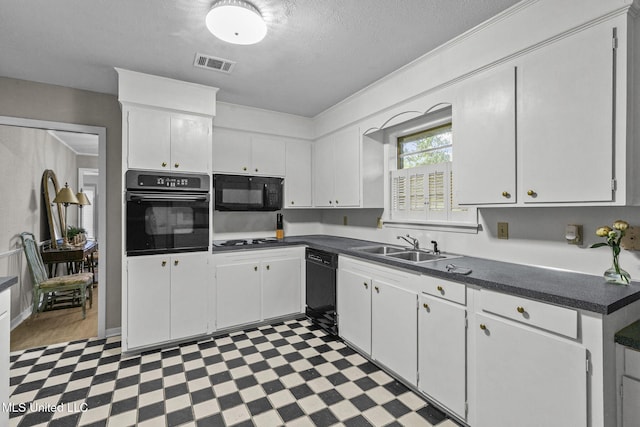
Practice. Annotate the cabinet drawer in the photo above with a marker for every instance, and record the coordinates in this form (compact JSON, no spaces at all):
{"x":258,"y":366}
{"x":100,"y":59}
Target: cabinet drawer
{"x":452,"y":291}
{"x":563,"y":321}
{"x":632,"y":363}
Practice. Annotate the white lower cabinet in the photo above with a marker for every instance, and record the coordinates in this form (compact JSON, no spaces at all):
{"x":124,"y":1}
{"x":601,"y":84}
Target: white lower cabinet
{"x":281,"y":287}
{"x":238,"y":294}
{"x":377,"y":314}
{"x":166,"y":298}
{"x":628,"y":372}
{"x":394,"y":328}
{"x":257,"y":285}
{"x":354,"y":308}
{"x":5,"y":332}
{"x":442,"y":351}
{"x":526,"y":377}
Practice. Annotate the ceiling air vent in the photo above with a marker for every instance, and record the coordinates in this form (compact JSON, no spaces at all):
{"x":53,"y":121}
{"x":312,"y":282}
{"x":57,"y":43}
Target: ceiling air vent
{"x":213,"y":63}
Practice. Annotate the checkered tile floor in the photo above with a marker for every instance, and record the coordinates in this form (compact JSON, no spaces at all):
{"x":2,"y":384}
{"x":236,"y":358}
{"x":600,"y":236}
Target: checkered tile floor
{"x":289,"y":373}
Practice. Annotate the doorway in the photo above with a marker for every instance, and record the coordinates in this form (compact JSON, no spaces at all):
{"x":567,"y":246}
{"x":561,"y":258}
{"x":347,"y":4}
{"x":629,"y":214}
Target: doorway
{"x":12,"y":261}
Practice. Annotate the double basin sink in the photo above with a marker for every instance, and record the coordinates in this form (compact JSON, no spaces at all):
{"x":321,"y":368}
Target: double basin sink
{"x":414,"y":256}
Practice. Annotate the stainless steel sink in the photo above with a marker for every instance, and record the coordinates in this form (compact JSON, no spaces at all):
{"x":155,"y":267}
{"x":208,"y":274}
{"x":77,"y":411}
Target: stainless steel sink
{"x":380,"y":249}
{"x":403,"y":254}
{"x":417,"y":256}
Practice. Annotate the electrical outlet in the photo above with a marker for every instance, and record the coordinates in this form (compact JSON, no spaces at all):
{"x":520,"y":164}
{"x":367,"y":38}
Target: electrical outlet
{"x":344,"y":220}
{"x":503,"y":230}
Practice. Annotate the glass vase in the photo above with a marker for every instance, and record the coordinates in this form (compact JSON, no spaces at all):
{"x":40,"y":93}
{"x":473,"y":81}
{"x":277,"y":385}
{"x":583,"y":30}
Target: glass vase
{"x":617,"y":275}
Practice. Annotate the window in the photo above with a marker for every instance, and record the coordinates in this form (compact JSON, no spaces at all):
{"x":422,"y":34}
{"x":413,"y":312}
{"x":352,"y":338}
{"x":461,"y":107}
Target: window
{"x":422,"y":185}
{"x":428,"y":147}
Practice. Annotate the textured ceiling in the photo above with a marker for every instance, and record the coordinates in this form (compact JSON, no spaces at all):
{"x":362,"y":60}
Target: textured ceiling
{"x":316,"y":52}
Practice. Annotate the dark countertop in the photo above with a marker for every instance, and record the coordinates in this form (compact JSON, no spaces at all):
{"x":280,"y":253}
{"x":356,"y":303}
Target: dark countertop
{"x":630,"y":336}
{"x":581,"y":291}
{"x":7,"y":282}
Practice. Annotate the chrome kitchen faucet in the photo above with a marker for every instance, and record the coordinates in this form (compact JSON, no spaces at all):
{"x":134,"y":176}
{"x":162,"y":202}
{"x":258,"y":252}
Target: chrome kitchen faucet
{"x":412,"y":240}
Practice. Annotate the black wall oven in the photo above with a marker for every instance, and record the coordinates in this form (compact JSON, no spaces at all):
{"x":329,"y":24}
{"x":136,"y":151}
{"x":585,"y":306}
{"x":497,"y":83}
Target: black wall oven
{"x":166,"y":212}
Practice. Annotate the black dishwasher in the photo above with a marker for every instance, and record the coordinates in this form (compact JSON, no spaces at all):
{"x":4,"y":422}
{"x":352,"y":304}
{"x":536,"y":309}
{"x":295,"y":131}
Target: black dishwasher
{"x":321,"y":289}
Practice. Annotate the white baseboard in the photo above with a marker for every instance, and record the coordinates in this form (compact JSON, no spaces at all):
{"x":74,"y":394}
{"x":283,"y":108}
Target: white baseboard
{"x":16,"y":321}
{"x":113,"y":332}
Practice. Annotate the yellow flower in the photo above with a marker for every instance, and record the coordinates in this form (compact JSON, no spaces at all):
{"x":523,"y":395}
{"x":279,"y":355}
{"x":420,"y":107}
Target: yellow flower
{"x":621,"y":225}
{"x":603,"y":231}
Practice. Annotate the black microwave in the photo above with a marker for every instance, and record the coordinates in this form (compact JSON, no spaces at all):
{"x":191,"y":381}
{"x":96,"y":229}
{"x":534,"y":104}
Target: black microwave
{"x":247,"y":193}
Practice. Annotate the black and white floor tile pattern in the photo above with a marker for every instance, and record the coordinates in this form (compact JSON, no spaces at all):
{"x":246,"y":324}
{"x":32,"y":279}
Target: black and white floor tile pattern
{"x":286,"y":374}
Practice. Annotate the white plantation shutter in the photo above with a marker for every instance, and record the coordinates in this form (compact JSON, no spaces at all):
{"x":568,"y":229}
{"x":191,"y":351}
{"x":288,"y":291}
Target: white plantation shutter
{"x":417,"y":200}
{"x":398,"y":194}
{"x":459,"y":213}
{"x":438,"y":192}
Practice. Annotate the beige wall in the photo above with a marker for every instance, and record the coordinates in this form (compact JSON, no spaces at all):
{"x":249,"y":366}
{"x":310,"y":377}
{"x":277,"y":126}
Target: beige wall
{"x":24,"y":99}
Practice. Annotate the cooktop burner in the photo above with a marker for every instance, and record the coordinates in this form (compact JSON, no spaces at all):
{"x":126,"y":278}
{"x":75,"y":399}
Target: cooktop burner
{"x":241,"y":242}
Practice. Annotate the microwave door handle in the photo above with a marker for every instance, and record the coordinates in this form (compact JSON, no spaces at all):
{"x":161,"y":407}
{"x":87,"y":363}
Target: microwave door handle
{"x":167,"y":197}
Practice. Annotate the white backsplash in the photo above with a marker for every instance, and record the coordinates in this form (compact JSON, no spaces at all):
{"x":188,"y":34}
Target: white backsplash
{"x":238,"y":225}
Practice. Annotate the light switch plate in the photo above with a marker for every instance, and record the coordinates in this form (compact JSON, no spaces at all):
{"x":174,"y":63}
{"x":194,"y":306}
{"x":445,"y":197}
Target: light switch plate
{"x":503,"y":230}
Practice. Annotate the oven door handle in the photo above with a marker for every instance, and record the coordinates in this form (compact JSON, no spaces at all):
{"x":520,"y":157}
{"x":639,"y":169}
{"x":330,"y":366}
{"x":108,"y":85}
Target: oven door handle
{"x":152,"y":197}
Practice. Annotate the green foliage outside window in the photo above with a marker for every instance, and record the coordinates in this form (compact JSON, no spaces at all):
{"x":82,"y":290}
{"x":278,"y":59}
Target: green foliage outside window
{"x":428,"y":147}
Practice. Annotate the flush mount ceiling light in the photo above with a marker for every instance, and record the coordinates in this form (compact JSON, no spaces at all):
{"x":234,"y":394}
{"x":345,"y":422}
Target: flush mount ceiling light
{"x":236,"y":21}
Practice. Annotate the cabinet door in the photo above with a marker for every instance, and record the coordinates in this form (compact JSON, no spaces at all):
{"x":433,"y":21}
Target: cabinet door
{"x":189,"y":295}
{"x":190,"y":143}
{"x":354,"y":309}
{"x":565,"y":123}
{"x":442,"y":337}
{"x":394,"y":329}
{"x":281,"y":287}
{"x":148,"y":300}
{"x":630,"y":400}
{"x":528,"y":378}
{"x":323,"y":173}
{"x":5,"y":332}
{"x":346,"y":158}
{"x":231,"y":152}
{"x":484,"y":134}
{"x":238,"y":294}
{"x":267,"y":156}
{"x":149,"y":139}
{"x":297,"y":183}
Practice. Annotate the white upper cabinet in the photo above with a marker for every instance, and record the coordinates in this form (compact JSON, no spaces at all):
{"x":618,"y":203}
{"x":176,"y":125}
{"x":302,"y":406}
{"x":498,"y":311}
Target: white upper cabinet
{"x":297,"y":182}
{"x":240,"y":153}
{"x":566,"y":120}
{"x":348,"y":171}
{"x":337,"y":169}
{"x":549,"y":127}
{"x":167,"y":124}
{"x":162,"y":140}
{"x":484,"y":135}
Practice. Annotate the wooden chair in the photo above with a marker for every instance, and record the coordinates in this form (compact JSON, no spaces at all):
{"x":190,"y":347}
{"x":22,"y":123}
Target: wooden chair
{"x":49,"y":288}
